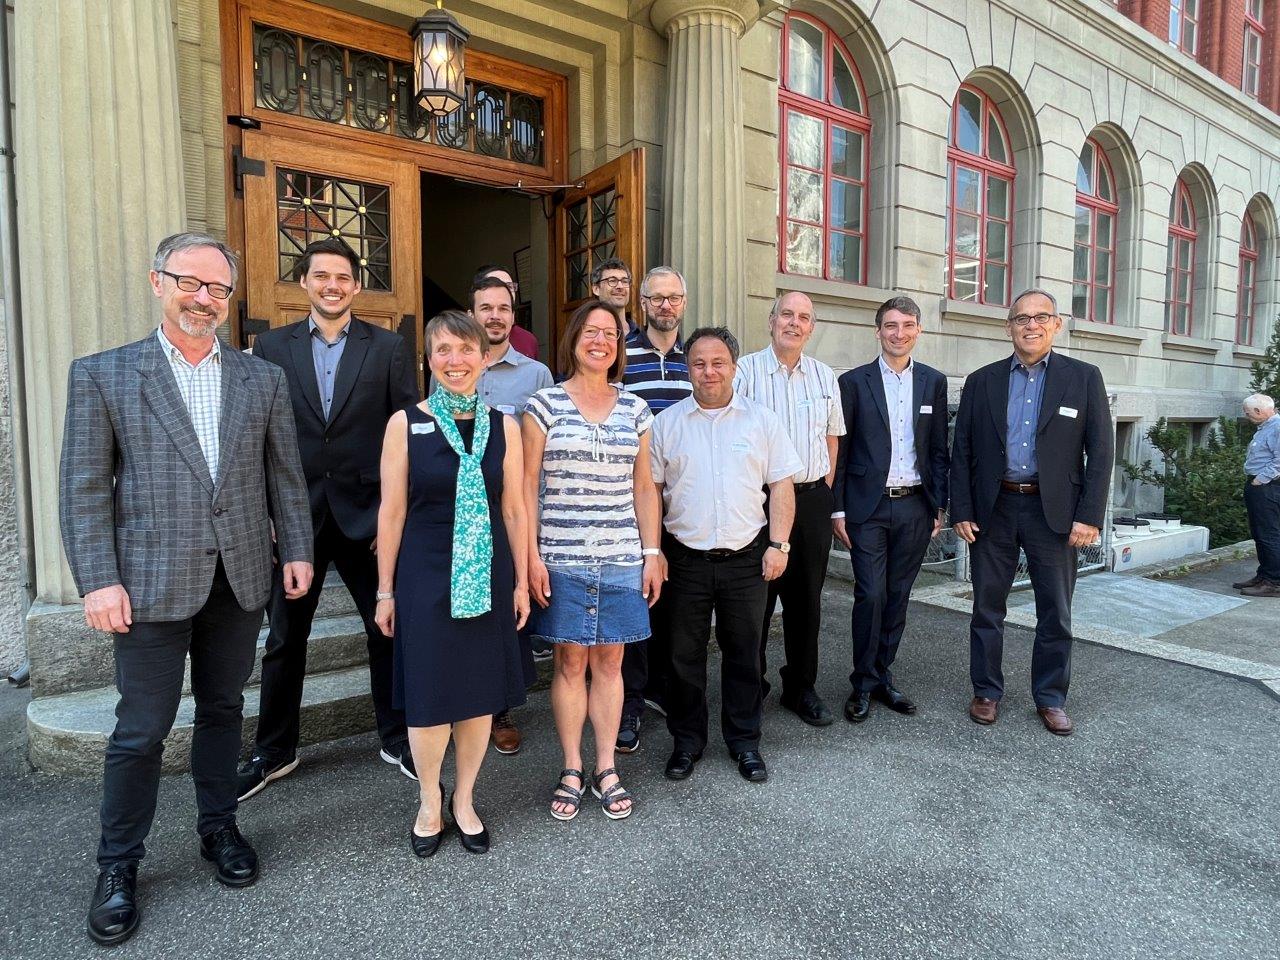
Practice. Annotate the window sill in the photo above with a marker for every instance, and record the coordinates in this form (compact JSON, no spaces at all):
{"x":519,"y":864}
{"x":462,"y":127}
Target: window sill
{"x":974,"y":312}
{"x":1176,"y":341}
{"x":1246,"y":352}
{"x":832,"y":291}
{"x":1103,"y":331}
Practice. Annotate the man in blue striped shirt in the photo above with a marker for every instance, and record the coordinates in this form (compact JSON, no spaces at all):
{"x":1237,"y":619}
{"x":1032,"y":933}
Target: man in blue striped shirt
{"x":1262,"y":495}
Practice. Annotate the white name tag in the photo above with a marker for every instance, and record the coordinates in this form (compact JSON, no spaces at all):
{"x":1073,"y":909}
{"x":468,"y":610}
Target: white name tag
{"x":926,"y":408}
{"x":1068,"y":412}
{"x":506,"y":408}
{"x":422,"y":427}
{"x":740,"y":446}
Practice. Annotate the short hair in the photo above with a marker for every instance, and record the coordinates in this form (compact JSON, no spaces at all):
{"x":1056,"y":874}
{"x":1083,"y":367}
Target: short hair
{"x":461,"y":325}
{"x":484,"y":270}
{"x":491,"y":283}
{"x":1259,"y":401}
{"x":777,"y":302}
{"x":191,"y":240}
{"x":715,"y":333}
{"x":662,"y":272}
{"x":900,"y":305}
{"x":1033,"y":292}
{"x":573,"y":330}
{"x":328,"y":245}
{"x":613,"y":263}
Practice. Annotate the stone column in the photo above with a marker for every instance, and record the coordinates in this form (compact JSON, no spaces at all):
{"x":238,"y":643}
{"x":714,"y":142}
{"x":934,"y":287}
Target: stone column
{"x":703,"y":230}
{"x":99,"y":173}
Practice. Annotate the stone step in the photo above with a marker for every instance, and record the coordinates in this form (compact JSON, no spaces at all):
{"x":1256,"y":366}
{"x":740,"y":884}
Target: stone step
{"x":335,"y":644}
{"x":68,"y":733}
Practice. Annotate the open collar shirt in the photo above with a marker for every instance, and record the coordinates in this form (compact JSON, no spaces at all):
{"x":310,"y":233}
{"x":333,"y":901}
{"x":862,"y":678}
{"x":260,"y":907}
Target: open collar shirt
{"x":507,"y":385}
{"x":1026,"y":391}
{"x":201,"y":389}
{"x":1262,"y":460}
{"x":325,"y":357}
{"x":899,"y":390}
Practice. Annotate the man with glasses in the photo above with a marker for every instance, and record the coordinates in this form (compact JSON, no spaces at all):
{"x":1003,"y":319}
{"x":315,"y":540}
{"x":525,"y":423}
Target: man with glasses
{"x":1030,"y":470}
{"x":178,"y":459}
{"x":611,"y":282}
{"x":521,"y":339}
{"x":657,"y":373}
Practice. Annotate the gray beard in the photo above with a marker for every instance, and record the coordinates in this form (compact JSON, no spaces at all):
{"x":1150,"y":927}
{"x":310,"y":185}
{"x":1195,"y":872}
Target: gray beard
{"x":199,"y":331}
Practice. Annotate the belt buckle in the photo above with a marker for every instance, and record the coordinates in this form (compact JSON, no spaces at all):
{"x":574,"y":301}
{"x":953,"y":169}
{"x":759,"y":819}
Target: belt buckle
{"x":896,"y":493}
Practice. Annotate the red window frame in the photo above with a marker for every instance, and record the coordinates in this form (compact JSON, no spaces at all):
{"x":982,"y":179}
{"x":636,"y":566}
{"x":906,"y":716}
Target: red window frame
{"x":1253,"y":27}
{"x":1095,"y":204}
{"x":1180,"y":238}
{"x":1184,"y":14}
{"x":1247,"y":283}
{"x":986,"y":168}
{"x":830,"y":115}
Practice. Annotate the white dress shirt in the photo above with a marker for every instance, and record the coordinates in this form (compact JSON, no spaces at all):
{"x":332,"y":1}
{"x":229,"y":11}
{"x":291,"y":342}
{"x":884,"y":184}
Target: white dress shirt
{"x":714,"y":466}
{"x":806,"y":399}
{"x":898,"y":395}
{"x":201,"y":389}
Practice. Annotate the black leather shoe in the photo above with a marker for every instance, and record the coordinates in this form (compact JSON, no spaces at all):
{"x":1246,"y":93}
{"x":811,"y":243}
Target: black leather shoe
{"x":230,"y":852}
{"x":751,"y":766}
{"x":427,"y":846}
{"x":471,"y":842}
{"x":857,"y":707}
{"x":680,"y":764}
{"x":256,"y":775}
{"x":892,"y":698}
{"x":114,"y":914}
{"x":809,"y":708}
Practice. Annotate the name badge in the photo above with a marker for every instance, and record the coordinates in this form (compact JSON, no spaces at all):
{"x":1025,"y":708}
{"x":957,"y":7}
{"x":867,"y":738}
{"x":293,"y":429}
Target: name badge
{"x":1068,"y":412}
{"x":422,"y":427}
{"x":506,"y":408}
{"x":926,"y":408}
{"x":740,"y":446}
{"x":804,"y":403}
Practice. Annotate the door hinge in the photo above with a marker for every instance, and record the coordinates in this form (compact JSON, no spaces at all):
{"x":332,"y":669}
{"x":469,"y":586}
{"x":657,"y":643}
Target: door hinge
{"x":242,"y":166}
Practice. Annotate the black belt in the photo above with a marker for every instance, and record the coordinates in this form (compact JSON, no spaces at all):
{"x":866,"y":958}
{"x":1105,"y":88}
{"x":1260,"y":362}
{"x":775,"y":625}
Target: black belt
{"x":719,"y":554}
{"x":1013,"y":487}
{"x":809,"y":485}
{"x":895,"y":493}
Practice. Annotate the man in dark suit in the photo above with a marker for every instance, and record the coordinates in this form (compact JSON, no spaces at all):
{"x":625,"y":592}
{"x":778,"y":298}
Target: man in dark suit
{"x":178,"y":455}
{"x":890,"y":493}
{"x":346,"y":377}
{"x":1031,"y":468}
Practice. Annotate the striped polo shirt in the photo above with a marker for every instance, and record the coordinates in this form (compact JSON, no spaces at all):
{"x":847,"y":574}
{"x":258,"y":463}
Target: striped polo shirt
{"x":660,"y":379}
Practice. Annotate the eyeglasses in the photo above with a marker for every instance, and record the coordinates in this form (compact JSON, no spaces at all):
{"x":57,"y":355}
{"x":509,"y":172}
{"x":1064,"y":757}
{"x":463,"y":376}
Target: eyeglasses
{"x":219,"y":291}
{"x":595,"y":333}
{"x":1022,"y":319}
{"x":675,"y":300}
{"x":615,"y":281}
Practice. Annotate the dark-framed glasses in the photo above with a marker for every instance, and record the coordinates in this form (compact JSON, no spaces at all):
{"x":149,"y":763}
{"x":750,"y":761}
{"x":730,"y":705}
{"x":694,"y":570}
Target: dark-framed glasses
{"x":1022,"y":319}
{"x":615,"y":281}
{"x":675,"y":300}
{"x":219,"y":291}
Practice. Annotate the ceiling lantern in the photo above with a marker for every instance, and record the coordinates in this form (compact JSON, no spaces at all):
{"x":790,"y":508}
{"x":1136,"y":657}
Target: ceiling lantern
{"x":439,"y":45}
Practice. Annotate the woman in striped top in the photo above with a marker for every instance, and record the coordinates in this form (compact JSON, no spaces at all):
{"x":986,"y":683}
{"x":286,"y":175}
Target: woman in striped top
{"x":595,"y":567}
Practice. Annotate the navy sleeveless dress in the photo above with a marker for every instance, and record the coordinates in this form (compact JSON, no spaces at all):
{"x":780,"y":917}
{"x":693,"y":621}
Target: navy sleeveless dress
{"x":447,"y":670}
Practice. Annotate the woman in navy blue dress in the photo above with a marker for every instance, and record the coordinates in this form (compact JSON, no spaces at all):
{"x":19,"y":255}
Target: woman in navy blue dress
{"x":450,"y":590}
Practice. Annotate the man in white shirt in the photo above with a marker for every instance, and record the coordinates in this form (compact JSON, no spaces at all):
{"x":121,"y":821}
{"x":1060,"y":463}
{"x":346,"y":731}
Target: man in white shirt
{"x":712,"y":456}
{"x":802,"y":391}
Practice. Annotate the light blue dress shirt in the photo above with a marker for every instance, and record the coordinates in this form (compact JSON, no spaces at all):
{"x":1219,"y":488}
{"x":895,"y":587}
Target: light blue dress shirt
{"x":1026,"y":390}
{"x":1263,"y":457}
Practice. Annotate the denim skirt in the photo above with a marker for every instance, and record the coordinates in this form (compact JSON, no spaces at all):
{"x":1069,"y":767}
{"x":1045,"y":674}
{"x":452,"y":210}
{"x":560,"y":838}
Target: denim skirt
{"x":599,"y":603}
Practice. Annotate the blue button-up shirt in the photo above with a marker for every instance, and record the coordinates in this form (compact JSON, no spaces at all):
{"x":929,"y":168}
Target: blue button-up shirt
{"x":1026,"y":390}
{"x":1263,"y":457}
{"x":326,"y":356}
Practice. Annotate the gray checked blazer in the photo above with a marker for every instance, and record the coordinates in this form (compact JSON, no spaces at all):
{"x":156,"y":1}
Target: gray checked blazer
{"x":137,"y":504}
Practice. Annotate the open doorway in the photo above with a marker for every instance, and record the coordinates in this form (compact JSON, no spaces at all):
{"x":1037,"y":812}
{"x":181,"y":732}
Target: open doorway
{"x":465,"y":225}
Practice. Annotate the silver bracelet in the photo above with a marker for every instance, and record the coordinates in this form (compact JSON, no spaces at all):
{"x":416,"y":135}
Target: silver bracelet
{"x":384,"y":596}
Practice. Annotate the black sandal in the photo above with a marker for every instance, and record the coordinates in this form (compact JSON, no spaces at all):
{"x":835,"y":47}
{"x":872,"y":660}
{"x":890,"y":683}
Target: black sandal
{"x":615,"y":794}
{"x":568,"y":796}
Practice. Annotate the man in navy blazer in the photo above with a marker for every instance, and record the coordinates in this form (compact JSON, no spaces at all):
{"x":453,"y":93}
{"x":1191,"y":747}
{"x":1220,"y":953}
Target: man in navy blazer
{"x":1031,"y":469}
{"x":890,"y":492}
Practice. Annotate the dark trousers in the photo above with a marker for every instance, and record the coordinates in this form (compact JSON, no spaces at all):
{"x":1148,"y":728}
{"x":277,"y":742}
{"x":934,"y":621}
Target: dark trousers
{"x":1262,"y":503}
{"x":284,"y":663}
{"x":150,"y":661}
{"x":733,"y":588}
{"x":888,"y":548}
{"x":646,"y":663}
{"x":1017,"y":520}
{"x":800,"y":588}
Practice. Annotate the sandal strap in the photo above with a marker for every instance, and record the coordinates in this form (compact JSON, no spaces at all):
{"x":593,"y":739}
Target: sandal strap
{"x":615,"y":794}
{"x":570,"y":772}
{"x":570,"y":797}
{"x":601,"y":774}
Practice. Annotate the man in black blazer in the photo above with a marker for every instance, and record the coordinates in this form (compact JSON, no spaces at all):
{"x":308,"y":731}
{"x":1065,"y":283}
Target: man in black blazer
{"x":346,"y":378}
{"x":1031,"y":468}
{"x":890,"y":492}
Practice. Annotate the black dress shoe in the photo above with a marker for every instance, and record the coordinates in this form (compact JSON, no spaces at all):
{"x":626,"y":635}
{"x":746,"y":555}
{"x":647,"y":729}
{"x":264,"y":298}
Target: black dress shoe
{"x":427,"y":846}
{"x":892,"y":698}
{"x":857,"y":706}
{"x":230,"y":852}
{"x":809,"y":708}
{"x":114,"y":914}
{"x":751,"y":766}
{"x":680,"y":764}
{"x":471,"y":842}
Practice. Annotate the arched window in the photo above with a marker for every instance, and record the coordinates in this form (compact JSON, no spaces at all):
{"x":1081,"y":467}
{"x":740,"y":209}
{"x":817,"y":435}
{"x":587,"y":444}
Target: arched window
{"x":825,"y":149}
{"x":1182,"y":259}
{"x":1097,"y":208}
{"x":1248,"y":282}
{"x":980,"y":206}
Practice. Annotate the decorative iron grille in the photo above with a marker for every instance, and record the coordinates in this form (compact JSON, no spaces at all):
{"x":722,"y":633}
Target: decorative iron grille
{"x":322,"y":81}
{"x":311,"y":206}
{"x":592,"y":227}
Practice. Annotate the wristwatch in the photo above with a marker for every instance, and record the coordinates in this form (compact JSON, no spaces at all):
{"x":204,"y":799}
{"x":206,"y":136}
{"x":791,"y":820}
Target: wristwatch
{"x":783,"y":547}
{"x":384,"y":596}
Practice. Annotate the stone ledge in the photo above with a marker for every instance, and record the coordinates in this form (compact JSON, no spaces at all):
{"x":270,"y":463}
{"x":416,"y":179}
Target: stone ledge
{"x":1243,"y":351}
{"x":1177,"y":342}
{"x":833,"y":291}
{"x":973,"y":312}
{"x":1104,"y":331}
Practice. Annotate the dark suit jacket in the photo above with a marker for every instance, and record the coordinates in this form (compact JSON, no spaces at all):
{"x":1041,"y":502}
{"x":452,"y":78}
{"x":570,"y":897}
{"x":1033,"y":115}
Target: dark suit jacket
{"x":342,"y":457}
{"x":137,"y":502}
{"x":862,"y":468}
{"x":1075,"y":453}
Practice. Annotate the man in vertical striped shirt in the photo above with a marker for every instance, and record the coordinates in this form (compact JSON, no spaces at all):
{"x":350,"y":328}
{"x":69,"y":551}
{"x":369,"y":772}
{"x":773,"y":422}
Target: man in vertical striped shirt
{"x":803,"y":393}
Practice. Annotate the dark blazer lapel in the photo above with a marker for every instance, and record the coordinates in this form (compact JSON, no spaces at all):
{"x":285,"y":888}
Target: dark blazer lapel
{"x":1057,"y":373}
{"x":876,"y":384}
{"x":353,"y":355}
{"x":998,"y":400}
{"x":235,"y":411}
{"x":304,"y":367}
{"x":161,"y":392}
{"x":919,"y":392}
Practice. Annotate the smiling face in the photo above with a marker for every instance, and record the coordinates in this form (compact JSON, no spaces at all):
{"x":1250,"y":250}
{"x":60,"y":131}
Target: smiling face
{"x":330,"y":285}
{"x":711,"y":370}
{"x":456,"y":362}
{"x":492,"y":307}
{"x":897,"y":334}
{"x":597,"y":346}
{"x":665,"y":316}
{"x":614,"y":288}
{"x":195,"y":314}
{"x":1033,"y":339}
{"x":791,"y":327}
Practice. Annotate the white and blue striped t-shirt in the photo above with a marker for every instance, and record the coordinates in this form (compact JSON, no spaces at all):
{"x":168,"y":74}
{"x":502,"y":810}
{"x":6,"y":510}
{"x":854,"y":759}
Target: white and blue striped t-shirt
{"x":588,"y":473}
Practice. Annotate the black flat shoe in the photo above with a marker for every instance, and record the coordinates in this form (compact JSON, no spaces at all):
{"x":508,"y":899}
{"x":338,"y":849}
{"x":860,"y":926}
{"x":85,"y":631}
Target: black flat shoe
{"x":857,"y":707}
{"x":892,"y":698}
{"x":809,"y":708}
{"x":230,"y":852}
{"x":113,"y":912}
{"x":471,"y":842}
{"x":427,"y":846}
{"x":751,"y":766}
{"x":680,"y":764}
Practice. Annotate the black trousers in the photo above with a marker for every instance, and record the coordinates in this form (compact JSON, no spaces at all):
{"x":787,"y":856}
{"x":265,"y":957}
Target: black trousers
{"x":284,"y":663}
{"x":733,"y":588}
{"x":646,"y":663}
{"x":150,"y":661}
{"x":1017,"y":520}
{"x":1262,"y":504}
{"x":887,"y":550}
{"x":800,"y":588}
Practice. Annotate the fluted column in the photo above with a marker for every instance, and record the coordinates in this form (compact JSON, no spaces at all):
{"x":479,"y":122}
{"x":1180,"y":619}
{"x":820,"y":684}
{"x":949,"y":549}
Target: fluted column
{"x":99,"y":173}
{"x":703,"y":233}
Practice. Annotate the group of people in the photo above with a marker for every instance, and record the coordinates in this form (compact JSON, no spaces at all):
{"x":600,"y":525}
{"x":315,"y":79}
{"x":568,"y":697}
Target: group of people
{"x":665,"y":485}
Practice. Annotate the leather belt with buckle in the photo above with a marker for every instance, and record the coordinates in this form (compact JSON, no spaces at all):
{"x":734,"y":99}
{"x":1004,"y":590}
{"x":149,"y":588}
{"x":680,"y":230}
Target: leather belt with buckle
{"x":809,"y":485}
{"x":1019,"y":487}
{"x":896,"y":493}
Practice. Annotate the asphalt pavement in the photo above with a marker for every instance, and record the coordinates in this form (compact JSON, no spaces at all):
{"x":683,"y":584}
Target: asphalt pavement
{"x":1153,"y":832}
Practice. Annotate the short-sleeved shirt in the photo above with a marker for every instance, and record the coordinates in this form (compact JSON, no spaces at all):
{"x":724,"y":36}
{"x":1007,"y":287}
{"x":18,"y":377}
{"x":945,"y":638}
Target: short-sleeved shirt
{"x":588,"y":472}
{"x":508,"y":384}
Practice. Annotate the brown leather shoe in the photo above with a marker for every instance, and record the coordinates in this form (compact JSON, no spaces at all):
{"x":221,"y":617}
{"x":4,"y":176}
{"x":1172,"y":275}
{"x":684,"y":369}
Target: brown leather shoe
{"x":984,"y":710}
{"x":505,"y":734}
{"x":1055,"y":720}
{"x":1251,"y":582}
{"x":1264,"y":589}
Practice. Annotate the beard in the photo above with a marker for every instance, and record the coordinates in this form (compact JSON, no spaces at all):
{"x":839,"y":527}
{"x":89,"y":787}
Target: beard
{"x":195,"y":325}
{"x":665,"y":324}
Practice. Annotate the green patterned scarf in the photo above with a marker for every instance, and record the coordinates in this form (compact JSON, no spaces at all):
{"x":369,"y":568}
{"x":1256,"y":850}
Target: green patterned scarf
{"x":469,"y":583}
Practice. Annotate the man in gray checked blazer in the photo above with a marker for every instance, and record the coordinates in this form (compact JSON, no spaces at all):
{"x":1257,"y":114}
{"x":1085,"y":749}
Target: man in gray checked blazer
{"x":179,"y":456}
